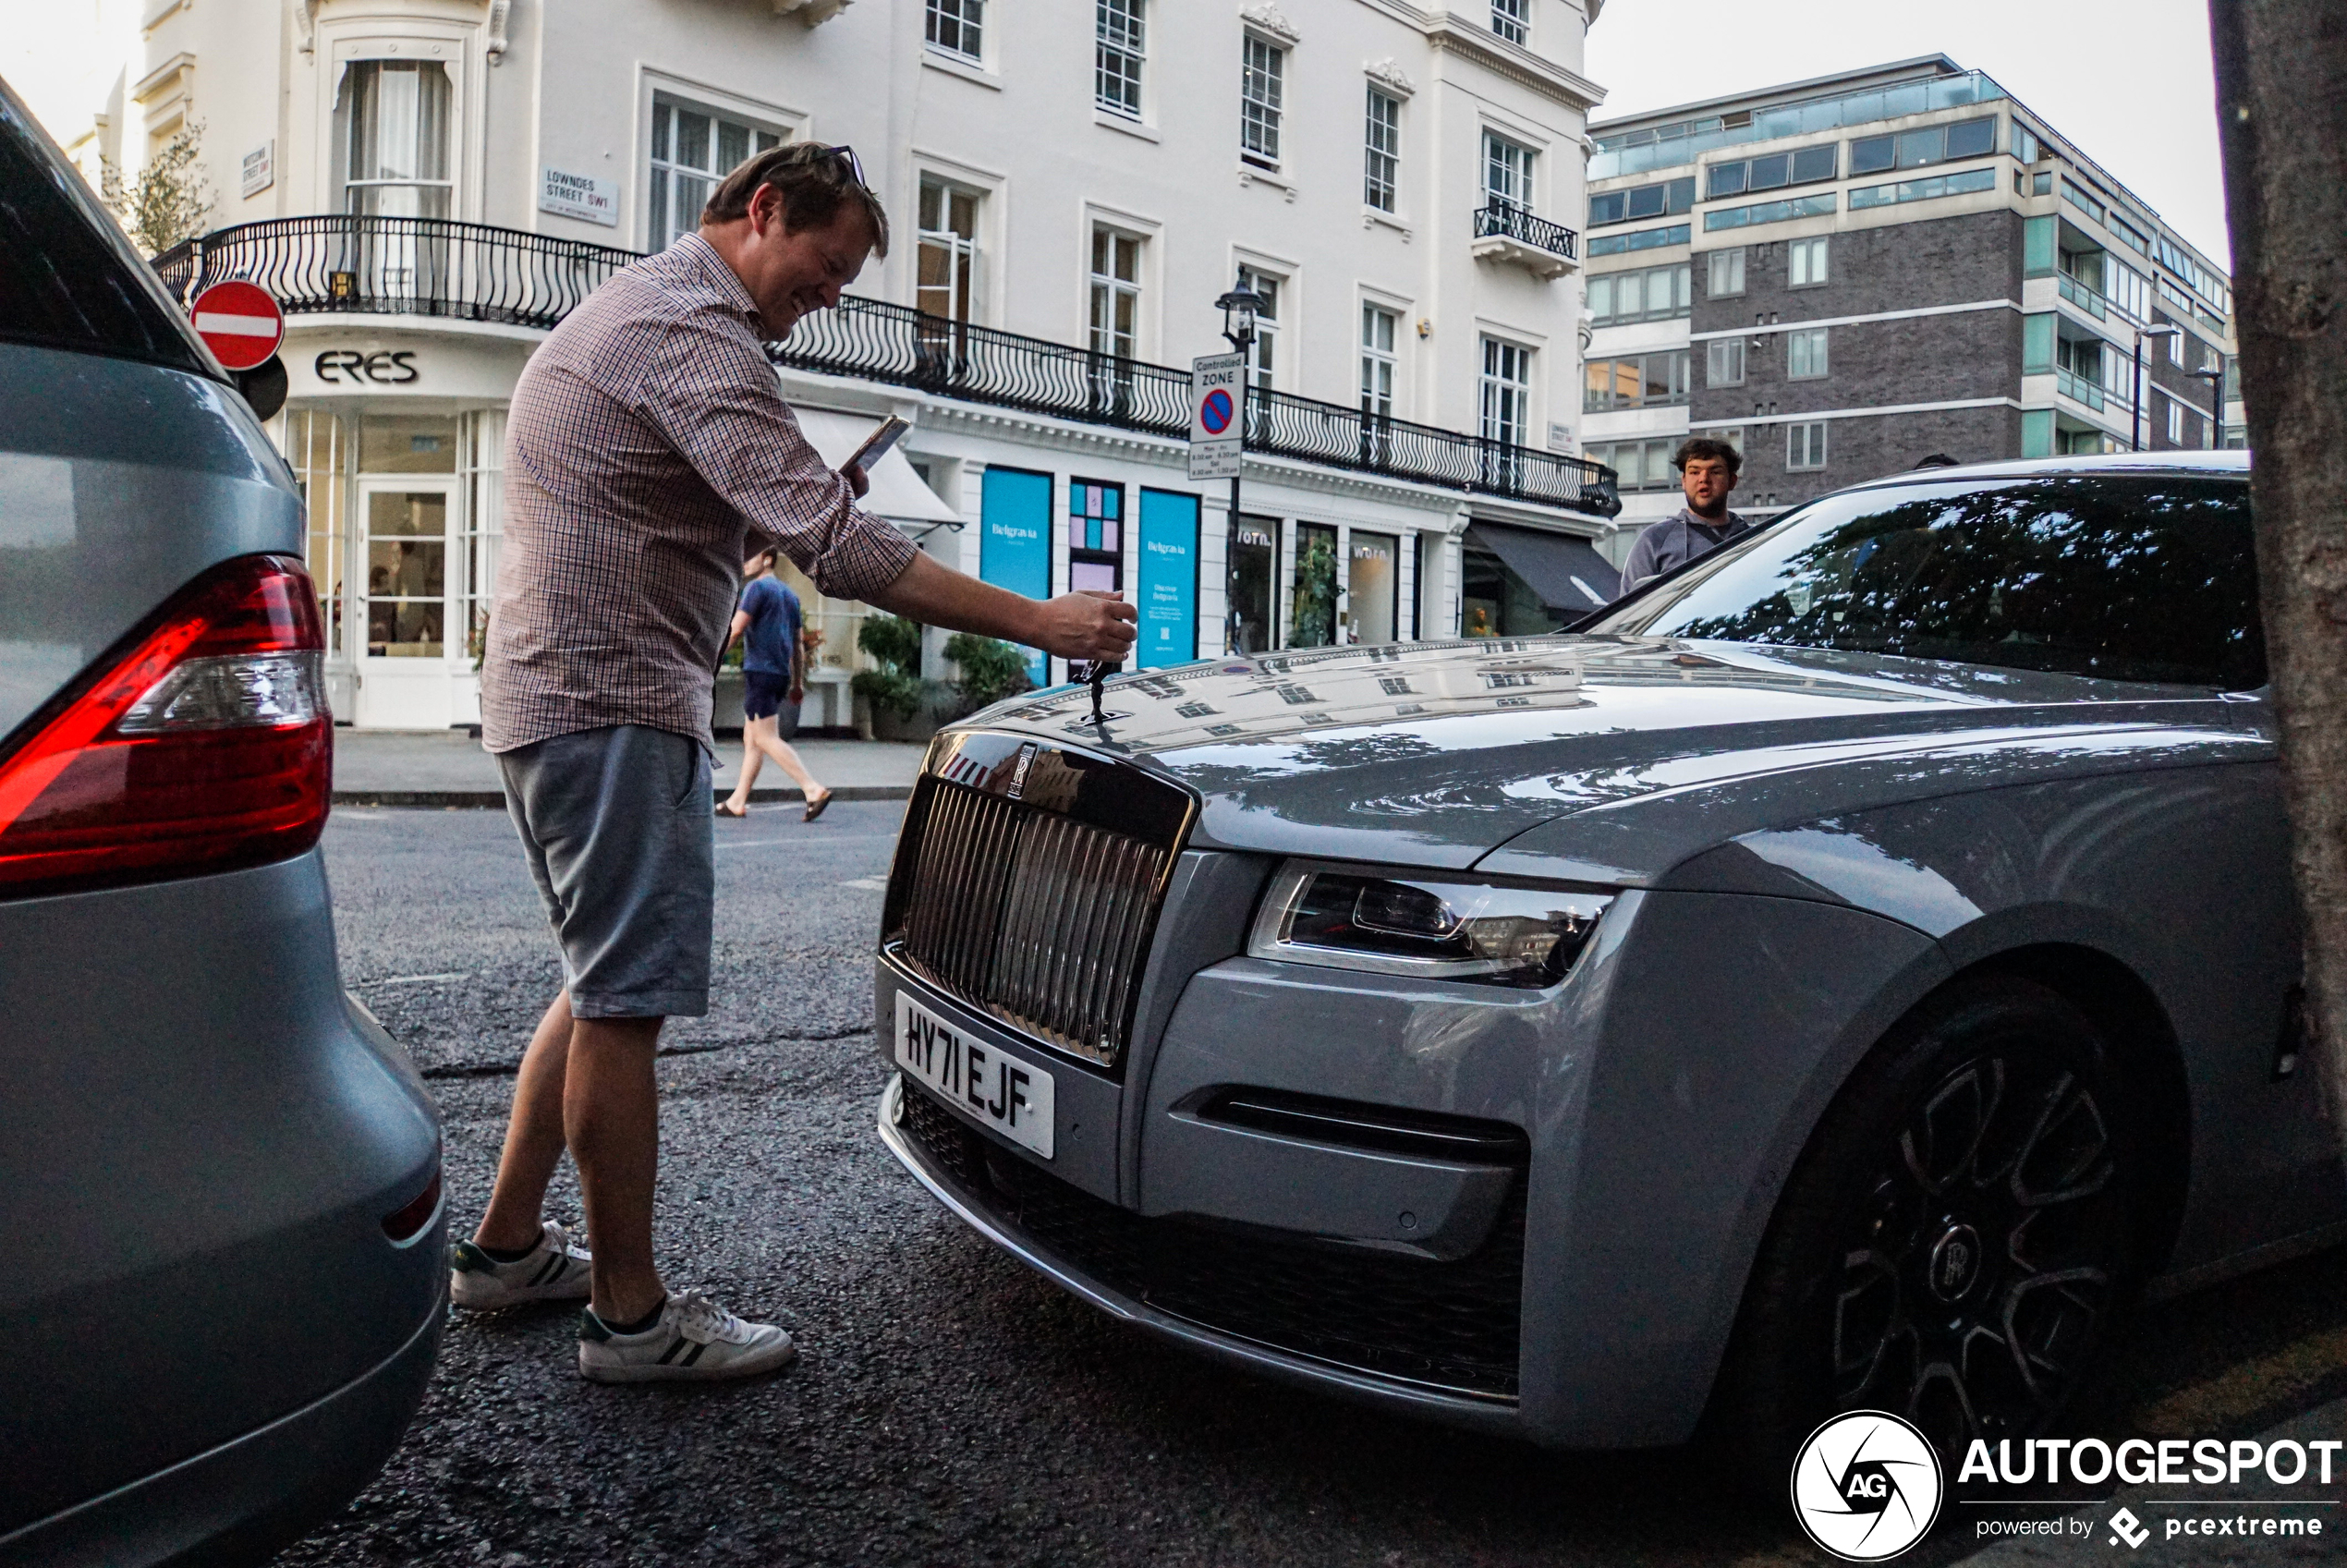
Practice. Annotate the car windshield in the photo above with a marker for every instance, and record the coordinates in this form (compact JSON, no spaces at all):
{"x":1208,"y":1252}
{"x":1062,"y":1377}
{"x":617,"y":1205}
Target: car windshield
{"x":2128,"y":578}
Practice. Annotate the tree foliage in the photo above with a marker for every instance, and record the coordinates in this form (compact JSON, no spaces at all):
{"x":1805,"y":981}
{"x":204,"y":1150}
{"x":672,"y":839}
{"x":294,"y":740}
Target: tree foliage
{"x":170,"y":200}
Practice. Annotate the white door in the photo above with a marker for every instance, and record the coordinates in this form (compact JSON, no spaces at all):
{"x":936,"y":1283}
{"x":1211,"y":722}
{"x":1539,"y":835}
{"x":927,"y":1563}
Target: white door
{"x":404,"y":672}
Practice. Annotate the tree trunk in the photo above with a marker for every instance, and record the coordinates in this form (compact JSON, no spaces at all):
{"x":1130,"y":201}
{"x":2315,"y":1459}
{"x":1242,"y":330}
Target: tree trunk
{"x":2281,"y":112}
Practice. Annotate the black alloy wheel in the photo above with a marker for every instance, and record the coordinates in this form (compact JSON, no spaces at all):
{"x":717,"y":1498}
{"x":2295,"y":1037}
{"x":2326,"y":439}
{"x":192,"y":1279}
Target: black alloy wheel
{"x":1956,"y":1239}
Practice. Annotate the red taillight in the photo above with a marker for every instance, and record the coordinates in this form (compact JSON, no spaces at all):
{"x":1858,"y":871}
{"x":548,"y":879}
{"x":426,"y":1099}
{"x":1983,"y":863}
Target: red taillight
{"x":204,"y":745}
{"x":415,"y":1214}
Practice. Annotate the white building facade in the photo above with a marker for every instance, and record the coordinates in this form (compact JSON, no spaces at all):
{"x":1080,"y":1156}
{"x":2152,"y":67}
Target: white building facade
{"x":429,"y":185}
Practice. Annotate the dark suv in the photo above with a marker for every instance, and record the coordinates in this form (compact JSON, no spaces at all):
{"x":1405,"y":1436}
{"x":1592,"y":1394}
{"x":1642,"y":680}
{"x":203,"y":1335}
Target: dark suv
{"x":220,"y":1197}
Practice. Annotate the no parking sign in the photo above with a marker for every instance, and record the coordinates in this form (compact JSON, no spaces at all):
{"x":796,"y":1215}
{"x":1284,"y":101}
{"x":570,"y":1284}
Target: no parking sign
{"x":1218,"y":384}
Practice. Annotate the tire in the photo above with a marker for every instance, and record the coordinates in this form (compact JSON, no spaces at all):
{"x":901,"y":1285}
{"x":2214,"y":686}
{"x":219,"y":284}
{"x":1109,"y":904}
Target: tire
{"x":1955,"y":1241}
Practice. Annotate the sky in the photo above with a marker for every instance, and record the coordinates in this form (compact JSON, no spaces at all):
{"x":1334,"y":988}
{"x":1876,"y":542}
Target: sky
{"x":2128,"y":82}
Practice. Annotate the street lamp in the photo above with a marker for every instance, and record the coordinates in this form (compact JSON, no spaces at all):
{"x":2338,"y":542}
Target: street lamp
{"x":2216,"y":380}
{"x":1239,"y":307}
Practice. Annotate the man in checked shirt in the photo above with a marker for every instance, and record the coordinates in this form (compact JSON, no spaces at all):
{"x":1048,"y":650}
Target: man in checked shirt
{"x":647,"y":452}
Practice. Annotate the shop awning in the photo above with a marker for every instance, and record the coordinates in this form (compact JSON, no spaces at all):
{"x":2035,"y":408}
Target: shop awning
{"x":897,"y":493}
{"x":1568,"y":574}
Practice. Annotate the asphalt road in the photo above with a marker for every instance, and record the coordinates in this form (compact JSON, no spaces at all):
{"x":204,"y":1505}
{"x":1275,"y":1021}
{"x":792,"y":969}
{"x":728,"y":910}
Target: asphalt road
{"x":948,"y":1406}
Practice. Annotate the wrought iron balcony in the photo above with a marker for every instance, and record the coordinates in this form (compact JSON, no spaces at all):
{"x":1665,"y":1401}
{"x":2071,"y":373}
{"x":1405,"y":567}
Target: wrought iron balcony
{"x":476,"y":272}
{"x":397,"y":266}
{"x":877,"y":341}
{"x":1512,"y":233}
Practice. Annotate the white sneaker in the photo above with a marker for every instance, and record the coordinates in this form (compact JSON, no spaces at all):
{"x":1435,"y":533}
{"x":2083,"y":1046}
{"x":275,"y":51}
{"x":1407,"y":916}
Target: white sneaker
{"x":552,"y":1270}
{"x":694,"y":1339}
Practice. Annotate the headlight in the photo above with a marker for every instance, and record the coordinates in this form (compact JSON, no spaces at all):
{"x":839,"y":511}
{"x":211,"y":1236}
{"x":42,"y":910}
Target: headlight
{"x":1430,"y":926}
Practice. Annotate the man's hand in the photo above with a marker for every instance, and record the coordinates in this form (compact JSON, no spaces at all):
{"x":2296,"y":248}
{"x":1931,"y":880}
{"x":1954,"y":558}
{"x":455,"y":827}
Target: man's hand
{"x":857,"y":481}
{"x":798,"y":694}
{"x":1090,"y":625}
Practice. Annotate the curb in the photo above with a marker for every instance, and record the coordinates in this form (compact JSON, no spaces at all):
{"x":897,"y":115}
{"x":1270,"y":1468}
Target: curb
{"x":454,"y":798}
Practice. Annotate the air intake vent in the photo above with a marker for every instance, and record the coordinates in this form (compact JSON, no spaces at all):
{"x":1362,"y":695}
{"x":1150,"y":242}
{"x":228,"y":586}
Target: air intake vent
{"x":1382,"y":1129}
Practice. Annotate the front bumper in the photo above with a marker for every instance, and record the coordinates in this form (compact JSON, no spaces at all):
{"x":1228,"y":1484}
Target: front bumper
{"x":997,"y":1215}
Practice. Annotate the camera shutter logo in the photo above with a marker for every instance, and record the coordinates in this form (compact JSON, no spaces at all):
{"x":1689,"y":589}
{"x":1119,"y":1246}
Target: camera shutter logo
{"x":1866,"y":1486}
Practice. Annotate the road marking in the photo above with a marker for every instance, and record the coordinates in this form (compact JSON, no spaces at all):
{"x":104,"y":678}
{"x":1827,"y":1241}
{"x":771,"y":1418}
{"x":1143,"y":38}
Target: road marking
{"x":816,"y":837}
{"x":2252,"y":1386}
{"x":869,"y":884}
{"x":419,"y":979}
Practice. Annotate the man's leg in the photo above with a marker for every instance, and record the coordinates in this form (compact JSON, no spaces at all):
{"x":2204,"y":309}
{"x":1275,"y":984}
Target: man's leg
{"x":752,"y":760}
{"x":770,"y":741}
{"x":611,"y":1115}
{"x":534,"y":1138}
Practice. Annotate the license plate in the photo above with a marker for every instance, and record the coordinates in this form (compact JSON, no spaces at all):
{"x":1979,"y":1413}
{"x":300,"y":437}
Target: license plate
{"x":999,"y":1090}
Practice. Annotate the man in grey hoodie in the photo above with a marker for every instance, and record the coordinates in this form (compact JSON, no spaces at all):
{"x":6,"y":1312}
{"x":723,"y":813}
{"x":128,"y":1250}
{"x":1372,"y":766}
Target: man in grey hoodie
{"x":1707,"y":474}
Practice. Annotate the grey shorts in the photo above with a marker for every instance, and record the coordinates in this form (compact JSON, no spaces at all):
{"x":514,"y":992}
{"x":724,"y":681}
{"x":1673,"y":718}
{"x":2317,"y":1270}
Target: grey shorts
{"x":618,"y":830}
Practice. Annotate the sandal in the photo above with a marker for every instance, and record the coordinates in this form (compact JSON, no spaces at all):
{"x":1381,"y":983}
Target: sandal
{"x":723,"y":813}
{"x":815,"y":806}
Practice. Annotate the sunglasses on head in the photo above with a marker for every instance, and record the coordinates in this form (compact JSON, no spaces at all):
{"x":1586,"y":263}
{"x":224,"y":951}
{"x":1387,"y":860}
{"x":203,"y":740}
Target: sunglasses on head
{"x":854,"y":164}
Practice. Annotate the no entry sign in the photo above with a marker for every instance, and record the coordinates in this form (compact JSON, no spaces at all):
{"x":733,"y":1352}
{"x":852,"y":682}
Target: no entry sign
{"x":239,"y":324}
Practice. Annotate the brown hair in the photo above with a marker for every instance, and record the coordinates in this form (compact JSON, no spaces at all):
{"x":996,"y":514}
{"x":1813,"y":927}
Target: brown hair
{"x":1704,"y":446}
{"x":814,"y":183}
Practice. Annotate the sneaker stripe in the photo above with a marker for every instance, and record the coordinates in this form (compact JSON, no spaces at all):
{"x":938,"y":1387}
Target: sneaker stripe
{"x":552,"y":1267}
{"x":692,"y":1355}
{"x":670,"y":1354}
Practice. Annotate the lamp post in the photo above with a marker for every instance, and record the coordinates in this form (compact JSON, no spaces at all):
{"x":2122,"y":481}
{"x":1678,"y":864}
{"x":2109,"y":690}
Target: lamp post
{"x":2216,"y":380}
{"x":1239,"y":307}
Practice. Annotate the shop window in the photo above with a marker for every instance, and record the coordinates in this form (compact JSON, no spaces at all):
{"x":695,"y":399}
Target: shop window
{"x":407,"y":573}
{"x":692,"y":150}
{"x":407,"y":443}
{"x":481,"y":443}
{"x":1373,"y":586}
{"x":317,"y":448}
{"x":1095,"y":537}
{"x":1313,"y":623}
{"x":1494,"y":601}
{"x":1255,"y":556}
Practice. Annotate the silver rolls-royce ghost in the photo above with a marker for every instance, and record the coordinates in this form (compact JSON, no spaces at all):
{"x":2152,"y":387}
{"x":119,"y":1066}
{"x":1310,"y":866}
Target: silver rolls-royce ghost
{"x":1842,"y":975}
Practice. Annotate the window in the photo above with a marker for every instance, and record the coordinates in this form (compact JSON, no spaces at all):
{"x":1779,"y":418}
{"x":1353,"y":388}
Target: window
{"x":692,"y":151}
{"x":1638,"y":465}
{"x":480,"y":446}
{"x":2040,"y":246}
{"x":1668,"y":198}
{"x":1261,"y":70}
{"x":1117,"y":53}
{"x":1377,"y":361}
{"x":2024,"y":143}
{"x":955,"y":26}
{"x":1510,"y":18}
{"x":1806,"y":166}
{"x":317,"y":446}
{"x":1641,"y":381}
{"x":2127,"y":287}
{"x":1645,"y":239}
{"x":947,"y":265}
{"x":2175,"y":420}
{"x":1381,"y":152}
{"x":1116,"y":293}
{"x":1804,"y":354}
{"x":1926,"y":189}
{"x":1727,"y":272}
{"x":1804,"y":444}
{"x":1652,"y":295}
{"x":1817,"y":206}
{"x":1264,"y":354}
{"x":395,"y":115}
{"x":1507,"y":173}
{"x":1918,"y":149}
{"x":1507,"y":391}
{"x":1805,"y":263}
{"x":1095,"y":536}
{"x":1723,"y":362}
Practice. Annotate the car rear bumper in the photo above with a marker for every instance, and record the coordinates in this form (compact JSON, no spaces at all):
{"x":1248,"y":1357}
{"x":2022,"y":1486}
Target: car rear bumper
{"x":241,"y":1500}
{"x":988,"y":1214}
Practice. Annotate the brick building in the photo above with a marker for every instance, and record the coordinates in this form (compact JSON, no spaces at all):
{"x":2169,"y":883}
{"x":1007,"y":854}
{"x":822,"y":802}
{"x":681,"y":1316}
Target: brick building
{"x":1845,"y":275}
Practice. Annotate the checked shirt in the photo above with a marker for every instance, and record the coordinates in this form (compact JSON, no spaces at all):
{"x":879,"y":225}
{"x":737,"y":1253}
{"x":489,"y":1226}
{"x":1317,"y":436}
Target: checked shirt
{"x":648,"y":447}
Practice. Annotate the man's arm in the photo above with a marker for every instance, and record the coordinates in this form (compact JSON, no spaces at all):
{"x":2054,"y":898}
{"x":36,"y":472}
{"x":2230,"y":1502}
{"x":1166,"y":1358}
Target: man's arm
{"x":1074,"y":625}
{"x":1640,"y":565}
{"x":741,"y":624}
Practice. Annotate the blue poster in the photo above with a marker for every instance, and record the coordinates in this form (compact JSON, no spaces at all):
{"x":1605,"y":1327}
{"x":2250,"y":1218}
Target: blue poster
{"x":1014,"y":543}
{"x":1168,"y":597}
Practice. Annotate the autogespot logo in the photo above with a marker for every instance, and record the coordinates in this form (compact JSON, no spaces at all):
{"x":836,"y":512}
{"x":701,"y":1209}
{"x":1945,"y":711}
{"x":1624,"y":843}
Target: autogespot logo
{"x":1865,"y":1485}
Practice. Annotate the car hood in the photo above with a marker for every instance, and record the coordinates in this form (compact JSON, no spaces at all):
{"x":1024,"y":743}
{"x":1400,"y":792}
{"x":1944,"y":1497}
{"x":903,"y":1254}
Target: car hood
{"x":1600,"y":759}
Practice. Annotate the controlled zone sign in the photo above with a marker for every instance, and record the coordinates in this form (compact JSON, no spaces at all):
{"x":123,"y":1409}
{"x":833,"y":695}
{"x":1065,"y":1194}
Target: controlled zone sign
{"x":239,"y":322}
{"x":1218,"y":386}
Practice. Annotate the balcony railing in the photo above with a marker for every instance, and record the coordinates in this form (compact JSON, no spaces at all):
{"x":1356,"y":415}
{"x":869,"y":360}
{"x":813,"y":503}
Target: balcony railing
{"x":473,"y":272}
{"x":2077,"y":387}
{"x":2078,"y":294}
{"x":397,"y":266}
{"x":877,"y":341}
{"x":1511,"y":222}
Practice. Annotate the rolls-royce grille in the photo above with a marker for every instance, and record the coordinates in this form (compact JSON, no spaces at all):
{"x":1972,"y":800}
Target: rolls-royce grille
{"x":1040,"y":919}
{"x":1450,"y":1325}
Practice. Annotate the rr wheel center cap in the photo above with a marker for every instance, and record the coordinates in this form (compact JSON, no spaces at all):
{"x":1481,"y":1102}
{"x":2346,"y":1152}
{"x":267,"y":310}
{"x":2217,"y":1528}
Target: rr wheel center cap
{"x":1954,"y":1264}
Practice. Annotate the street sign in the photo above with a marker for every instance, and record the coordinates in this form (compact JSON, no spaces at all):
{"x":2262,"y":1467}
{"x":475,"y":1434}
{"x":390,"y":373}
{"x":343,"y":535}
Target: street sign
{"x":1218,"y":386}
{"x":239,"y":324}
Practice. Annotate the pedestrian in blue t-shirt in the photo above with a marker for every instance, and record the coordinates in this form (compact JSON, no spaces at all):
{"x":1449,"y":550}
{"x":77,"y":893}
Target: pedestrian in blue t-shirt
{"x":767,"y":622}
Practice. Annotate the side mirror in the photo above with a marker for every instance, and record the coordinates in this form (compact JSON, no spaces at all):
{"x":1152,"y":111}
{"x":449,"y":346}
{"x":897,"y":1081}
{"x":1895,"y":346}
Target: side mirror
{"x":264,"y":386}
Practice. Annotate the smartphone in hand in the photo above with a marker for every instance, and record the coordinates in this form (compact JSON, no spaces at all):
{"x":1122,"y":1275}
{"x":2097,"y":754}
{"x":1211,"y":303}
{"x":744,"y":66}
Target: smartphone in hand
{"x":885,"y":436}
